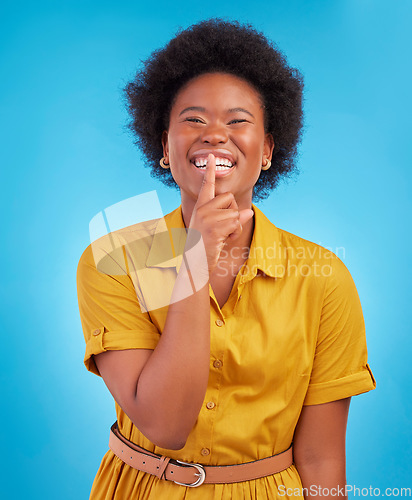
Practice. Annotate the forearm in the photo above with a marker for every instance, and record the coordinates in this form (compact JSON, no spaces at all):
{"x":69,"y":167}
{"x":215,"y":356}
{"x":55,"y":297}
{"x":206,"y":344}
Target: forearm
{"x":172,"y":385}
{"x":324,"y":480}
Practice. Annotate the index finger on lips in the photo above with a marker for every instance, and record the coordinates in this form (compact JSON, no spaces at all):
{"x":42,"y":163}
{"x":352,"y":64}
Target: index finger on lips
{"x":207,"y":190}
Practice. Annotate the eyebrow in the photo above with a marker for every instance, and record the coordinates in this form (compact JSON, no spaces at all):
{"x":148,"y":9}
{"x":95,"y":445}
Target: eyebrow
{"x":202,"y":110}
{"x":242,"y":110}
{"x":192,"y":108}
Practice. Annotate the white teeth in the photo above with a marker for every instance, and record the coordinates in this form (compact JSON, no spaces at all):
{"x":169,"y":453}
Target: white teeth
{"x":200,"y":162}
{"x":218,"y":167}
{"x":222,"y":162}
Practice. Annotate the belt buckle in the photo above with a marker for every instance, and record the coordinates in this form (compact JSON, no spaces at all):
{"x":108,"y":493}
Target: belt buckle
{"x":201,"y":474}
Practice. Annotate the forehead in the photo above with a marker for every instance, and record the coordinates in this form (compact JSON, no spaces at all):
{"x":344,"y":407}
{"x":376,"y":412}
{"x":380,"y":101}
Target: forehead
{"x":217,"y":89}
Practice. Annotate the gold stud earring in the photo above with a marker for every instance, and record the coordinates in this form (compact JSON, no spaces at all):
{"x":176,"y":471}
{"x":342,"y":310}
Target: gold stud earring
{"x":163,"y":164}
{"x":267,"y":165}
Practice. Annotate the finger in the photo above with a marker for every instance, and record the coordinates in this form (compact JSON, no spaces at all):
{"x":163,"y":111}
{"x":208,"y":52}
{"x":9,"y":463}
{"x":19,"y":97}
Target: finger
{"x":223,"y":201}
{"x":218,"y":214}
{"x":244,"y":216}
{"x":207,"y":190}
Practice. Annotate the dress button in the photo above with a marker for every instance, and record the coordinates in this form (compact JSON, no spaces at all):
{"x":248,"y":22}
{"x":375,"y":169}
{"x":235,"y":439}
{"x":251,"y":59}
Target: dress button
{"x":217,"y":363}
{"x":210,"y":405}
{"x":205,"y":452}
{"x":97,"y":331}
{"x":219,"y":322}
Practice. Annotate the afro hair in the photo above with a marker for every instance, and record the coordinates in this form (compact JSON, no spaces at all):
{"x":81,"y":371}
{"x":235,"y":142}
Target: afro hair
{"x":211,"y":46}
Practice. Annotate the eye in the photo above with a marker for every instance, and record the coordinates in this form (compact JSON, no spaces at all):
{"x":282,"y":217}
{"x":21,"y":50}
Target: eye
{"x":237,"y":120}
{"x":193,"y":120}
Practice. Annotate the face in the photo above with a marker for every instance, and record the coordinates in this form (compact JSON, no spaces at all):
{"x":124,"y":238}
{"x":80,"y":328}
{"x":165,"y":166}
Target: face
{"x":221,"y":114}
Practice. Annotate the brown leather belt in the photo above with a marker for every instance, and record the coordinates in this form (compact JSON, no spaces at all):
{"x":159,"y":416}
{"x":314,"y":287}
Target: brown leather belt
{"x":191,"y":474}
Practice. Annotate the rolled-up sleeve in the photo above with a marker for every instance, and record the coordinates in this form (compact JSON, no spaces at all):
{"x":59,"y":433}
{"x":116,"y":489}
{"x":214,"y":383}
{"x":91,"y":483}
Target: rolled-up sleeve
{"x":110,"y":313}
{"x":340,"y":367}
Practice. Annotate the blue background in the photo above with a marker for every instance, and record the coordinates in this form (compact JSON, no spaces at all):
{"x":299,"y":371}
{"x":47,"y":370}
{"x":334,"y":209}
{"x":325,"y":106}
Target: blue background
{"x":65,"y":156}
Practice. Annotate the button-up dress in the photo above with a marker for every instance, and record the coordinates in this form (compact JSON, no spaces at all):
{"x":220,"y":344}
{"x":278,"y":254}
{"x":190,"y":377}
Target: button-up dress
{"x":290,"y":334}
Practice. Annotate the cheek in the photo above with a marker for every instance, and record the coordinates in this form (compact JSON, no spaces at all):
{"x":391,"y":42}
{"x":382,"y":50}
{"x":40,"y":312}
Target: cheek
{"x":174,"y":145}
{"x":179,"y":144}
{"x":250,"y":143}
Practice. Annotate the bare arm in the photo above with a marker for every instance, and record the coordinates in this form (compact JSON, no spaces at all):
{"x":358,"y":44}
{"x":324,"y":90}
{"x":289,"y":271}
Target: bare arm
{"x":162,"y":391}
{"x":319,"y":448}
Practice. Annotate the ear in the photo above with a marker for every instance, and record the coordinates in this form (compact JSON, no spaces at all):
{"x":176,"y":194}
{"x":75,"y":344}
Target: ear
{"x":165,"y":144}
{"x":268,"y":147}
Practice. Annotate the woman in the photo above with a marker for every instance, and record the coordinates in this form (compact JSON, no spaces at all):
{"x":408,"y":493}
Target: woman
{"x":263,"y":342}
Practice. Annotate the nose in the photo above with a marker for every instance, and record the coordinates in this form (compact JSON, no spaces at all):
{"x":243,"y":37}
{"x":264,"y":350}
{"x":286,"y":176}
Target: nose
{"x":214,"y":133}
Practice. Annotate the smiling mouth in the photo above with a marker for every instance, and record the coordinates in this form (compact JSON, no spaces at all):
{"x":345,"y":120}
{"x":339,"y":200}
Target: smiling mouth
{"x":221,"y":163}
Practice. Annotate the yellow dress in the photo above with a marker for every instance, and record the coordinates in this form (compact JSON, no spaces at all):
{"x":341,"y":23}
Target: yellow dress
{"x":290,"y":334}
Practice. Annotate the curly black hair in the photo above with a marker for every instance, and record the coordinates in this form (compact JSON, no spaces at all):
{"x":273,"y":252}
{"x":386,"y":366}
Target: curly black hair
{"x":211,"y":46}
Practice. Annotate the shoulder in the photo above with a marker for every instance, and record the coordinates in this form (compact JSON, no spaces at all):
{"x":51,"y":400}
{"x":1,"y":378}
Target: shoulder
{"x":311,"y":259}
{"x":301,"y":248}
{"x":317,"y":261}
{"x":307,"y":255}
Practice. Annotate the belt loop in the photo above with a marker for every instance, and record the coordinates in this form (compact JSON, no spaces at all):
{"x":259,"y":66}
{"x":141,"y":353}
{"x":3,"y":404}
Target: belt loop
{"x":163,"y":463}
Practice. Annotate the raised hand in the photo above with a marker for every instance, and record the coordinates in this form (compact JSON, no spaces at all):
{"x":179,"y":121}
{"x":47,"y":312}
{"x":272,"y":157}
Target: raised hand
{"x":217,"y":218}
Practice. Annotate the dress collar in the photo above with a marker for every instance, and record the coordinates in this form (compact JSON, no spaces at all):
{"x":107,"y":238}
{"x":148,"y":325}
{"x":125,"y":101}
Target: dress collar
{"x":265,"y":250}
